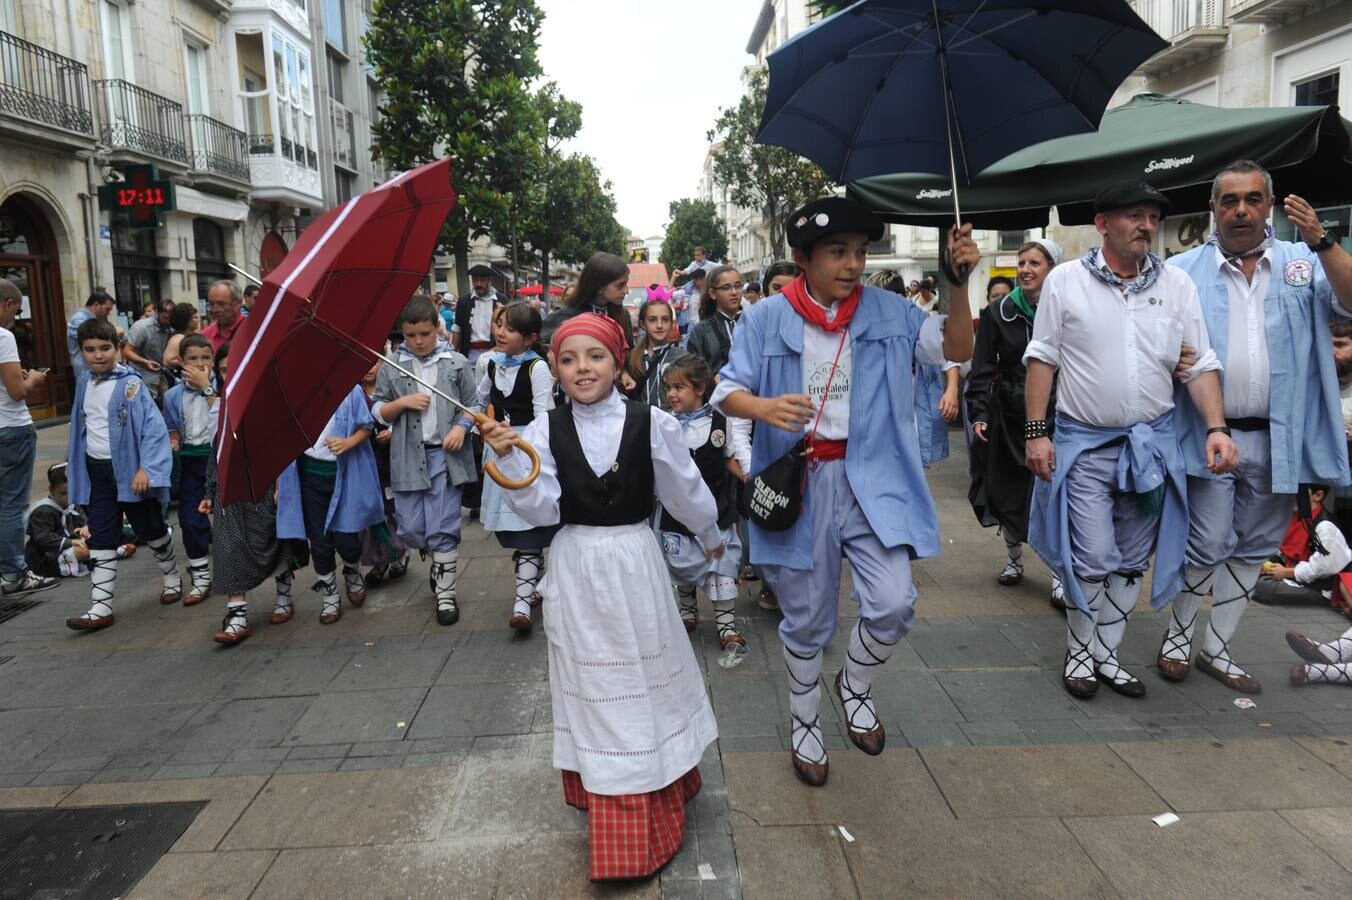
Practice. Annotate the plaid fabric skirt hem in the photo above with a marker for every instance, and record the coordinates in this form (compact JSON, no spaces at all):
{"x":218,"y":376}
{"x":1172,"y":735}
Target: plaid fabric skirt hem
{"x":632,"y":835}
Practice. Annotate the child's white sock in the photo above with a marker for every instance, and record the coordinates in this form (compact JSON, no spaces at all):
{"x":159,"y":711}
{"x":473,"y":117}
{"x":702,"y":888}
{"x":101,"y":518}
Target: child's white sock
{"x":163,"y":548}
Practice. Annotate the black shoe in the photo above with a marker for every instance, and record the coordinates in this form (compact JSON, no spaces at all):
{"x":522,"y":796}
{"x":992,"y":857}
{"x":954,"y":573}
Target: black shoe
{"x":1083,"y":688}
{"x":448,"y":615}
{"x":376,"y":575}
{"x":1134,"y":688}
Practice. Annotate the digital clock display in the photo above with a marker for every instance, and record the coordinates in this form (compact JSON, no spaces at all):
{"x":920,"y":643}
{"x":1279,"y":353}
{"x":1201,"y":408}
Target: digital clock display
{"x":150,"y":196}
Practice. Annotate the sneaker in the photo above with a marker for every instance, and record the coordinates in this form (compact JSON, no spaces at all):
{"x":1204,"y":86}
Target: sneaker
{"x":28,"y":583}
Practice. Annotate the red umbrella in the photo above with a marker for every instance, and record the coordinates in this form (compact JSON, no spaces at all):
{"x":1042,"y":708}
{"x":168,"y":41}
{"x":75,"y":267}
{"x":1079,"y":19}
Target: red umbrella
{"x":307,"y":340}
{"x":531,"y":290}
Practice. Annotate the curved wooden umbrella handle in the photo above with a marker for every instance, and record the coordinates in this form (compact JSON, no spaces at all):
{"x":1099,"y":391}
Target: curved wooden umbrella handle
{"x":491,"y":469}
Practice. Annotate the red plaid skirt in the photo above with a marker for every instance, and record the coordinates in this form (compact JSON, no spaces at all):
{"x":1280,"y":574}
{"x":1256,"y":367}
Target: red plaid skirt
{"x":632,"y":835}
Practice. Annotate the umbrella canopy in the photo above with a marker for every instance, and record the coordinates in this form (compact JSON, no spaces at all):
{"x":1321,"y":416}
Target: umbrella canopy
{"x":1175,"y":145}
{"x":531,"y":290}
{"x":924,"y":85}
{"x":340,"y":289}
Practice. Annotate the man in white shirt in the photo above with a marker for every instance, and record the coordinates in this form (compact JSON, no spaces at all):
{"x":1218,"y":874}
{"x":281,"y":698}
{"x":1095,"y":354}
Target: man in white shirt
{"x":1267,"y":305}
{"x":1114,"y":325}
{"x":18,"y":445}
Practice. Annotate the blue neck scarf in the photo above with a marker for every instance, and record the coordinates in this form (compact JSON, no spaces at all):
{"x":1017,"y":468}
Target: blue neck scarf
{"x":686,"y":418}
{"x":502,"y":360}
{"x":1093,"y":261}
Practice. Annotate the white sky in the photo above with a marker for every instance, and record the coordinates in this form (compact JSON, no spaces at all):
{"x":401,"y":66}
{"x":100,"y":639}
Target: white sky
{"x":668,"y":63}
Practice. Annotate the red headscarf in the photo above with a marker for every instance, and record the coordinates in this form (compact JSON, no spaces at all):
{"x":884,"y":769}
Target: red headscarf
{"x":601,"y":328}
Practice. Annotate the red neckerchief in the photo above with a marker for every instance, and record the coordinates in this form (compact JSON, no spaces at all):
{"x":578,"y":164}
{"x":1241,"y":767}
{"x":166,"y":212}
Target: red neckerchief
{"x":814,"y":313}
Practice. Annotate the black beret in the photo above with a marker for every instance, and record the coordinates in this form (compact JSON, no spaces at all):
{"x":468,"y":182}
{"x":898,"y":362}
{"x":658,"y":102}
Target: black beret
{"x":831,"y":215}
{"x":481,"y":271}
{"x":1130,"y":193}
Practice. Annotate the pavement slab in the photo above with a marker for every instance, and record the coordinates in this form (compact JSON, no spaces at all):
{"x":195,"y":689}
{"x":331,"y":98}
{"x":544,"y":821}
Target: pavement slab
{"x":790,"y":860}
{"x":764,"y":787}
{"x":1256,"y":854}
{"x":227,"y":798}
{"x":205,"y":876}
{"x":1014,"y":858}
{"x":1018,"y":782}
{"x":469,"y":869}
{"x":1232,"y":775}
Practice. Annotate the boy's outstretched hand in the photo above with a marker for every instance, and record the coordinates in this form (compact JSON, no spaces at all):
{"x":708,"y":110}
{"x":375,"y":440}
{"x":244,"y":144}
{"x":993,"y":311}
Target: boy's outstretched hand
{"x":498,"y":436}
{"x":789,"y":412}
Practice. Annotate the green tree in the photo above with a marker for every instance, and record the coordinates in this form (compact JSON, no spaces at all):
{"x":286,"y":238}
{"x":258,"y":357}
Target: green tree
{"x":758,"y":176}
{"x":454,"y":74}
{"x":824,"y":8}
{"x":572,"y":213}
{"x":694,"y":223}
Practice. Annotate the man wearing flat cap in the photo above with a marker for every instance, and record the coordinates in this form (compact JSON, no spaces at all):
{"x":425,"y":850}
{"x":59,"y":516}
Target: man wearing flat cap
{"x":1113,"y":484}
{"x":474,"y":315}
{"x":1267,"y":305}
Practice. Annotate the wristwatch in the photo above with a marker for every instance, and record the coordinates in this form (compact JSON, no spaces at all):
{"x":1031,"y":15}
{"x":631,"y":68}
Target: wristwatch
{"x":1327,"y":240}
{"x":208,"y":391}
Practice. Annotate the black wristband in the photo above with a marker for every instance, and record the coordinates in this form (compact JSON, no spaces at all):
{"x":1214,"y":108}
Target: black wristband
{"x":1219,"y":429}
{"x":1034,"y":428}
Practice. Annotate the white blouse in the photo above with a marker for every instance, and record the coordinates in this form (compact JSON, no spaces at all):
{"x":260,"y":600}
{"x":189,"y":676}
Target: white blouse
{"x":541,"y":385}
{"x":679,"y":486}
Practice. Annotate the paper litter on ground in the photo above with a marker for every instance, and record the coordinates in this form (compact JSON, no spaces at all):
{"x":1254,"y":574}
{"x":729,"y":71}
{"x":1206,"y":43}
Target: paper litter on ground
{"x":1245,"y":703}
{"x":845,"y":834}
{"x":706,"y":872}
{"x":1164,"y":820}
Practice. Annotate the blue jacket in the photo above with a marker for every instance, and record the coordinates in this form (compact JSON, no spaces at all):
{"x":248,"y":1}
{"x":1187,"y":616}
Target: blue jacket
{"x":1308,"y":444}
{"x":882,"y":460}
{"x":358,"y":502}
{"x":173,"y":409}
{"x":932,"y":430}
{"x":136,"y":434}
{"x":1150,"y":459}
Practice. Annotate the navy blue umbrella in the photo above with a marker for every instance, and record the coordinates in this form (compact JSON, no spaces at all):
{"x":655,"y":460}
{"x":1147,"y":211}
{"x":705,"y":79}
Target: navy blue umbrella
{"x":947,"y":86}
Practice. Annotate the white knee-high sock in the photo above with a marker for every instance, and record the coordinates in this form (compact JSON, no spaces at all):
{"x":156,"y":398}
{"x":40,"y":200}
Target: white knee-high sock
{"x":163,"y":548}
{"x":863,"y":662}
{"x":352,"y":580}
{"x":443,"y":576}
{"x":1080,"y":629}
{"x":327,"y":586}
{"x":102,"y":581}
{"x":685,"y":601}
{"x":1339,"y":649}
{"x":1229,"y":598}
{"x":283,"y":581}
{"x":236,"y":616}
{"x":722,"y":593}
{"x":1014,"y":549}
{"x":1119,"y":600}
{"x":199,"y":571}
{"x":1177,"y":644}
{"x":528,"y":564}
{"x":1333,"y":673}
{"x":805,"y":704}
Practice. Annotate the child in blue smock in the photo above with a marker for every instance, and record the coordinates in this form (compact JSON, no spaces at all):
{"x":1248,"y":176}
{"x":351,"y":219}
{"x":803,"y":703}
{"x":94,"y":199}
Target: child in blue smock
{"x":834,"y":358}
{"x":191,"y":411}
{"x":118,"y":465}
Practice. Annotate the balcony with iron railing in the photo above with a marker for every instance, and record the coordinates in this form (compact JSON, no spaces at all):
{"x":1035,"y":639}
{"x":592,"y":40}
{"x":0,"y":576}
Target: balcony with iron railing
{"x":140,"y":123}
{"x":217,"y":149}
{"x":42,"y":91}
{"x":1194,"y":29}
{"x":1269,"y":12}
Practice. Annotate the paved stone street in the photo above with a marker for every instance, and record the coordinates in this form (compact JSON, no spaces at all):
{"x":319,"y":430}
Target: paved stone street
{"x":387,"y":756}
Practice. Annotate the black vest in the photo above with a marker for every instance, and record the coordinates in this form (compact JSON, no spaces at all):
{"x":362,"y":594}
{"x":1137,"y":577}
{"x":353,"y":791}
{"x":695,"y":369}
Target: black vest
{"x":712,"y":465}
{"x":621,"y":496}
{"x":519,"y":405}
{"x":463,"y":310}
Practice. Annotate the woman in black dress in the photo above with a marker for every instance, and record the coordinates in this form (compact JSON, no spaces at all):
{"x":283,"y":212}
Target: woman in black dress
{"x":1002,"y":486}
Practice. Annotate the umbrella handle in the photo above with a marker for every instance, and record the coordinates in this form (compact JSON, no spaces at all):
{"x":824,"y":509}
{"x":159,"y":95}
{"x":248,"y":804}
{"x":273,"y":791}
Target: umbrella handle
{"x":492,"y":471}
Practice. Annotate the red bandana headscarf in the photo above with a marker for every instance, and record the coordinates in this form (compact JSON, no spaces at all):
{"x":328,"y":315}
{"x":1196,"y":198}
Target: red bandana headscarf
{"x":814,"y":313}
{"x":601,"y":328}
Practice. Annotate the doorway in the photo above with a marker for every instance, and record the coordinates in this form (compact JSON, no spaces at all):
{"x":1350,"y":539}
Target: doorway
{"x":29,"y":259}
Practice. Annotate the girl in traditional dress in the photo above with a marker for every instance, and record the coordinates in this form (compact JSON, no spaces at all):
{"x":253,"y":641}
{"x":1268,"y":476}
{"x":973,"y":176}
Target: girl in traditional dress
{"x":631,"y":717}
{"x":721,"y":449}
{"x":518,"y":389}
{"x":1002,"y":487}
{"x":251,"y":541}
{"x":658,"y":343}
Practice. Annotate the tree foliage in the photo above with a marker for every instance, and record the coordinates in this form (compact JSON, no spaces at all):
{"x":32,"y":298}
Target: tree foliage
{"x":454,"y":74}
{"x":694,"y":223}
{"x":758,"y":176}
{"x":824,"y":8}
{"x":572,"y":213}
